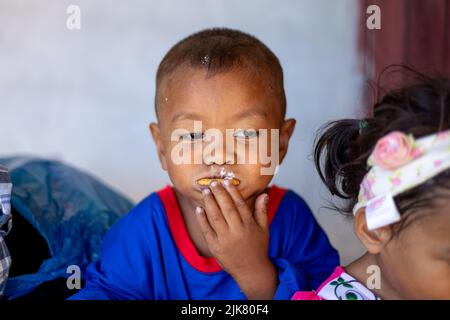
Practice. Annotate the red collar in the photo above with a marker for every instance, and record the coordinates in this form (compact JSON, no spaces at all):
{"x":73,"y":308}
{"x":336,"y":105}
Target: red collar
{"x":181,"y":236}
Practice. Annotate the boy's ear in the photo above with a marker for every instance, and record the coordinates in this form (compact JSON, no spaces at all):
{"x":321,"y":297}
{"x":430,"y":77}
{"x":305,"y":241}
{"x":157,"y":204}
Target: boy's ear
{"x":156,"y":134}
{"x":374,"y":240}
{"x":286,"y":131}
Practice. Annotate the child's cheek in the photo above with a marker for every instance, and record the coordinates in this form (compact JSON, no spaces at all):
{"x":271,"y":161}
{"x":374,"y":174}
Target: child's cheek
{"x":181,"y":175}
{"x":253,"y":180}
{"x":434,"y":281}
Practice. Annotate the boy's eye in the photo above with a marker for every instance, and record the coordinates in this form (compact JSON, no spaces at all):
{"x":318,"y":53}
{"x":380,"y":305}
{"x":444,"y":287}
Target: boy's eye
{"x":246,"y":134}
{"x":192,"y":136}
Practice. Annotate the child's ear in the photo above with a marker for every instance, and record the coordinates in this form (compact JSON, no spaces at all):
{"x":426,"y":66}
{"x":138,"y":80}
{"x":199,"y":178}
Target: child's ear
{"x":156,"y":134}
{"x":374,"y":240}
{"x":285,"y":134}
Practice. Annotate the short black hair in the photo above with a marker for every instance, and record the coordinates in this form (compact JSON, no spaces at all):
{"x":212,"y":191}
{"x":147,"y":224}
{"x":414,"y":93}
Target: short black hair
{"x":219,"y":50}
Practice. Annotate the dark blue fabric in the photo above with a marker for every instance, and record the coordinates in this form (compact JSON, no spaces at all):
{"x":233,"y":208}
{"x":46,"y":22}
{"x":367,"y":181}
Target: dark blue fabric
{"x":140,"y":260}
{"x":69,"y":208}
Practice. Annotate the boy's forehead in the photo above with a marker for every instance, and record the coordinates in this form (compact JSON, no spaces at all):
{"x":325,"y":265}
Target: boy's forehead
{"x":234,"y":115}
{"x":190,"y":93}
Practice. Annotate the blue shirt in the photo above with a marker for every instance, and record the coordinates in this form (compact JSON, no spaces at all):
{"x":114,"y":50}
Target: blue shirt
{"x":148,"y":254}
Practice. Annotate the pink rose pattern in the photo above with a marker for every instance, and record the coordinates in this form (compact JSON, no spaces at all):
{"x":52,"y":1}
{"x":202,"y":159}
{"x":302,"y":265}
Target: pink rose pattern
{"x":394,"y":151}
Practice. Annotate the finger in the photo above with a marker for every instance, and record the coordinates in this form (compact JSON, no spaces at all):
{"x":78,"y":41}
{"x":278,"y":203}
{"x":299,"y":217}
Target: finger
{"x":207,"y":231}
{"x":226,"y":205}
{"x":261,"y":211}
{"x":239,"y":202}
{"x":213,"y":213}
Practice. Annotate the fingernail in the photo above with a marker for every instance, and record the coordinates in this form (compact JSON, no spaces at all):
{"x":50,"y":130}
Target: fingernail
{"x":214,"y":184}
{"x":198,"y":210}
{"x":226,"y":183}
{"x":205,"y":191}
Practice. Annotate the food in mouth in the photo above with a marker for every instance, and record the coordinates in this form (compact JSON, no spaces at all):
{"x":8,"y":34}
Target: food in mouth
{"x":207,"y":181}
{"x":224,"y":175}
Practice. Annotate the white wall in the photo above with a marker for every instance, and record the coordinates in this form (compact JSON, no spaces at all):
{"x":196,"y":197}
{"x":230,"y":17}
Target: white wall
{"x":86,"y":96}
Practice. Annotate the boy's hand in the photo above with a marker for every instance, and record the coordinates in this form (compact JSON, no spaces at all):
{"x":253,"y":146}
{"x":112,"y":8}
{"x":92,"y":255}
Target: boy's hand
{"x":239,"y":239}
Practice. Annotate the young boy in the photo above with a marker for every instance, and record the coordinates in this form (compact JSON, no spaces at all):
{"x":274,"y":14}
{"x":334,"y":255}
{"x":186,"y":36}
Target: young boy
{"x":207,"y":237}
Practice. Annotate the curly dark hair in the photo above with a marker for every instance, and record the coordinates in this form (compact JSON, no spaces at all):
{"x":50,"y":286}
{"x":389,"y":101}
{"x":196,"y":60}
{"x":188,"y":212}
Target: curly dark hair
{"x":342,"y":147}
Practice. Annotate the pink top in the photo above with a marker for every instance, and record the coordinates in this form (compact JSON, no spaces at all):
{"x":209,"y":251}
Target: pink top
{"x":339,"y":286}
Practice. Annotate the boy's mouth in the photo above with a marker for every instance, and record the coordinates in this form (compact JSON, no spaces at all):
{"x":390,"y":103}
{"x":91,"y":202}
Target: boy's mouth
{"x":207,"y":181}
{"x":223,"y":175}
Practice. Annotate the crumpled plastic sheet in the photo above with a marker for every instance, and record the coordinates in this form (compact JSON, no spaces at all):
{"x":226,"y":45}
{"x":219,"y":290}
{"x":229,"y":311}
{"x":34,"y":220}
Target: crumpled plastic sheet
{"x":71,"y":209}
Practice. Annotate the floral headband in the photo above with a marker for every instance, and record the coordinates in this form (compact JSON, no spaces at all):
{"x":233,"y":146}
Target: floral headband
{"x":397,"y":164}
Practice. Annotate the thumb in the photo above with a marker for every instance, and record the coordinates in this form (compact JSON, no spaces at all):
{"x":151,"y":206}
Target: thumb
{"x":261,"y":210}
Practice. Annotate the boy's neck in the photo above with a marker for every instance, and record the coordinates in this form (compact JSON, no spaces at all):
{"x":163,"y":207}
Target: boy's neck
{"x":358,"y":269}
{"x":187,"y":210}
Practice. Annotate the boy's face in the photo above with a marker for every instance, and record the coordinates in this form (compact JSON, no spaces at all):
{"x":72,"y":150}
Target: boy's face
{"x":233,"y":100}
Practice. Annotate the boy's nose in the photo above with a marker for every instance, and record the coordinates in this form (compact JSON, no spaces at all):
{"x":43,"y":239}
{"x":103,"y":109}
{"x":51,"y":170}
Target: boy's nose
{"x":218,"y":156}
